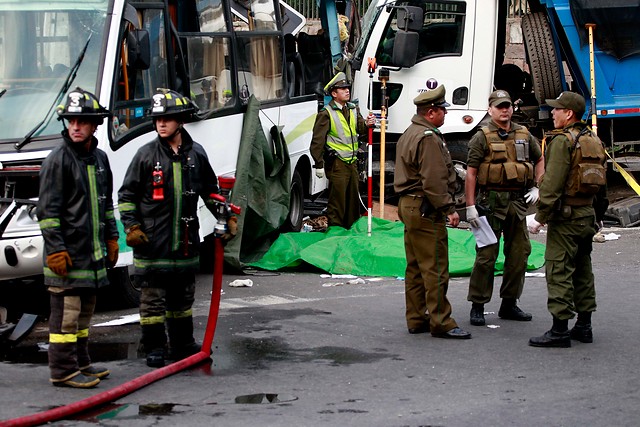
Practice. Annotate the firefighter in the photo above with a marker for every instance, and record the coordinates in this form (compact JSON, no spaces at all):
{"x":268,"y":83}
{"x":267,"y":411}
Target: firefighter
{"x":573,"y":185}
{"x":504,"y":164}
{"x":75,"y":212}
{"x":334,"y":148}
{"x":158,"y":206}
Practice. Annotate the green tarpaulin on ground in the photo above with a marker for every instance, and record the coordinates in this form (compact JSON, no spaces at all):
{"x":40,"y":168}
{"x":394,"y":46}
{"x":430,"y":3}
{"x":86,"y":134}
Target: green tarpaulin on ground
{"x":340,"y":251}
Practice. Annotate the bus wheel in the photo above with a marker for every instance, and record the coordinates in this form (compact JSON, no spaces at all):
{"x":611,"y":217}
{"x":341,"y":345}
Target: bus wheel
{"x":123,"y":291}
{"x":296,"y":205}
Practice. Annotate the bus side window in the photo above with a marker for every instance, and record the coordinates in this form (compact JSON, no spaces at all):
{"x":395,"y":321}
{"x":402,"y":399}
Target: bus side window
{"x":260,"y":67}
{"x":211,"y":84}
{"x":136,"y":85}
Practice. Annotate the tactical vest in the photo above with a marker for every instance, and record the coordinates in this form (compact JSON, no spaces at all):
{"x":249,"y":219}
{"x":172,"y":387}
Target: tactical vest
{"x":587,"y":173}
{"x":343,"y":137}
{"x":507,"y":166}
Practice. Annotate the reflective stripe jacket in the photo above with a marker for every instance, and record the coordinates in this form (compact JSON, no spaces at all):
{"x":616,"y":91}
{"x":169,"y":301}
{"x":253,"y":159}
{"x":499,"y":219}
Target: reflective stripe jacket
{"x":171,"y":224}
{"x":324,"y":130}
{"x":75,"y":212}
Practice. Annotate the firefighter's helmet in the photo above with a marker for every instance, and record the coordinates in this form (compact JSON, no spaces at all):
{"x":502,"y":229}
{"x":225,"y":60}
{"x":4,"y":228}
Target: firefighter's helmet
{"x":80,"y":103}
{"x":167,"y":102}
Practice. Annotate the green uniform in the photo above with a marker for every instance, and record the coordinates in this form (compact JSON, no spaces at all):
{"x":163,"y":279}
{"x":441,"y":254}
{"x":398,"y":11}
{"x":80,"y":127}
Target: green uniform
{"x":506,"y":212}
{"x":424,"y":170}
{"x":334,"y":147}
{"x":571,"y":227}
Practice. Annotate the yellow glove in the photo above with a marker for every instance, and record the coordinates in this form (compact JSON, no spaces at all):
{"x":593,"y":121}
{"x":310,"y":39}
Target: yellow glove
{"x":232,"y":229}
{"x":136,"y":237}
{"x":112,"y":252}
{"x":58,"y":263}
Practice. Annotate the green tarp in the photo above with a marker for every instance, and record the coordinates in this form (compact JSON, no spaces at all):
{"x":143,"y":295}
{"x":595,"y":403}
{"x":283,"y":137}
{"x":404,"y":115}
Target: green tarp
{"x":340,"y":251}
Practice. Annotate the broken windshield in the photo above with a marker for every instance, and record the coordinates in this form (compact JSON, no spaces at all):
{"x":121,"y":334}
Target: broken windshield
{"x":39,"y":43}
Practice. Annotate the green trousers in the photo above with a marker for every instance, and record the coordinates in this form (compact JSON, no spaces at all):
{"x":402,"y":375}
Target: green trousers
{"x":343,"y":206}
{"x":570,"y":284}
{"x":427,"y":274}
{"x":517,"y":248}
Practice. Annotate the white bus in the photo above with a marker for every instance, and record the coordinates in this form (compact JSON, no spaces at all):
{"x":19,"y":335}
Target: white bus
{"x":217,"y":52}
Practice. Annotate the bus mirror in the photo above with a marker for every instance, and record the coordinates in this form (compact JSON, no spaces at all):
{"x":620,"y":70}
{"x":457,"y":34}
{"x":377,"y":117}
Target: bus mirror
{"x":139,"y":49}
{"x":410,"y":18}
{"x":405,"y":49}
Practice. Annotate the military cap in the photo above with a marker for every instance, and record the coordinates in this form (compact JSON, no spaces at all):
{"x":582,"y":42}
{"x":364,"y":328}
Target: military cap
{"x":433,"y":97}
{"x":569,"y":101}
{"x":338,"y":81}
{"x":499,"y":97}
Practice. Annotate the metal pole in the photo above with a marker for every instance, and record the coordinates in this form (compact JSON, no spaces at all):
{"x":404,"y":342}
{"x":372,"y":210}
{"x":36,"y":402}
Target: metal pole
{"x":592,"y":67}
{"x":372,"y":69}
{"x":383,"y":76}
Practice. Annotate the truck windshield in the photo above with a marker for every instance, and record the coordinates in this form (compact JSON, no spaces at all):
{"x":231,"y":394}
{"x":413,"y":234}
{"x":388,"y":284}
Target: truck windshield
{"x":368,"y":24}
{"x":40,"y":41}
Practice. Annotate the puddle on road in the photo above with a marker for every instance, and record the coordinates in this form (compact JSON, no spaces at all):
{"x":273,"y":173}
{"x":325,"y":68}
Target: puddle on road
{"x":134,"y":411}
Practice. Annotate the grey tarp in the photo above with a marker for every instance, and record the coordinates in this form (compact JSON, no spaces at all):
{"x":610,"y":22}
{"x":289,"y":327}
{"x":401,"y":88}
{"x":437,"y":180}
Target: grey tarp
{"x":340,"y":251}
{"x":261,"y":189}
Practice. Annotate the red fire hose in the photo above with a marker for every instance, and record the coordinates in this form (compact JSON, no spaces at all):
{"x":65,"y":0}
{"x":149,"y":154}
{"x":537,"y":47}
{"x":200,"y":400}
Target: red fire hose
{"x":146,"y":379}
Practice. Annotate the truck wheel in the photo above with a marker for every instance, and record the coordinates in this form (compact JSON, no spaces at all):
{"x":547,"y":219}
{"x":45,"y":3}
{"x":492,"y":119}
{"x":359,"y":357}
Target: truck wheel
{"x":296,"y":205}
{"x":541,"y":56}
{"x":122,"y":292}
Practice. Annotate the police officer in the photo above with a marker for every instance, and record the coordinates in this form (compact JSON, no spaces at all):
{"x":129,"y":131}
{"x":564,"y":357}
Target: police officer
{"x":157,"y":202}
{"x":334,"y":148}
{"x":75,"y":212}
{"x":425,"y":180}
{"x":504,"y":164}
{"x":575,"y":178}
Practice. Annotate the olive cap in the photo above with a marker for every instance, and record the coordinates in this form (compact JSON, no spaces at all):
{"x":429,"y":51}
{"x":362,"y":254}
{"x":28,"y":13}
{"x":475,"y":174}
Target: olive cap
{"x":338,"y":81}
{"x":433,"y":97}
{"x":570,"y":101}
{"x":498,"y":97}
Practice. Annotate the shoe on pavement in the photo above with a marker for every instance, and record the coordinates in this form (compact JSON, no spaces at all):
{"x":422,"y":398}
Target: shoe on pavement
{"x":95,"y":371}
{"x":552,"y":338}
{"x":582,"y":333}
{"x":420,"y":330}
{"x":476,"y":317}
{"x":455,"y":333}
{"x":514,"y":313}
{"x":155,"y":358}
{"x":78,"y":381}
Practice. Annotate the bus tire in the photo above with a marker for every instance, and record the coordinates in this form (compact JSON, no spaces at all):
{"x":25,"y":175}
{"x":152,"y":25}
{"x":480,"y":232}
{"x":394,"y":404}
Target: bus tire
{"x":541,"y":56}
{"x":123,"y":291}
{"x":296,"y":204}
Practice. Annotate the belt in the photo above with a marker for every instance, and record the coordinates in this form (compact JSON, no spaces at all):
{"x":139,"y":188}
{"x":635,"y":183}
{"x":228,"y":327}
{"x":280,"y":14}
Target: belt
{"x":413,"y":195}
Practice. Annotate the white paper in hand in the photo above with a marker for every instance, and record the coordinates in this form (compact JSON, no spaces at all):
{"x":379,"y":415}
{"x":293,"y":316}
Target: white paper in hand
{"x":484,"y":234}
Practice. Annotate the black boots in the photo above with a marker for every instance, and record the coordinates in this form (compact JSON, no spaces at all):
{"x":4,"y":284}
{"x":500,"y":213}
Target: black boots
{"x":557,"y":336}
{"x":510,"y":311}
{"x":581,"y":331}
{"x":477,"y":314}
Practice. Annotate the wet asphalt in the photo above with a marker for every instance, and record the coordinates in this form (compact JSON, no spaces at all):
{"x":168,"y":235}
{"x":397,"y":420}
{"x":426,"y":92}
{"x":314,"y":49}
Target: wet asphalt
{"x":296,"y":349}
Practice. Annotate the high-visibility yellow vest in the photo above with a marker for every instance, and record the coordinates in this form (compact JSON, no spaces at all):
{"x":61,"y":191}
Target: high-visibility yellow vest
{"x":343,"y":137}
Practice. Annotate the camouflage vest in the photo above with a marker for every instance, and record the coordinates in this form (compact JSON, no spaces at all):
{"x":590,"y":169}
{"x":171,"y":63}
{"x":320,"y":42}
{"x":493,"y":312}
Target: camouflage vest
{"x":507,"y":166}
{"x":588,"y":172}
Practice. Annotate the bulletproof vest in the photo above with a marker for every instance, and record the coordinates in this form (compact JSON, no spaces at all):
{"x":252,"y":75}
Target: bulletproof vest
{"x":506,"y":167}
{"x":588,"y":172}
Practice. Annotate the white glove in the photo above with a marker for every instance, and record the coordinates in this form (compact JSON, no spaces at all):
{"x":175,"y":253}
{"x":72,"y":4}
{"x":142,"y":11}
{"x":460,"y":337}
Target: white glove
{"x":472,"y":216}
{"x":320,"y":173}
{"x":534,"y":227}
{"x":532,"y":196}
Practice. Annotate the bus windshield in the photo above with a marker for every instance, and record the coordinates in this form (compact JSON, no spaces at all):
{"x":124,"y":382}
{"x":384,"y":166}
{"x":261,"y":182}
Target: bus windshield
{"x":39,"y":43}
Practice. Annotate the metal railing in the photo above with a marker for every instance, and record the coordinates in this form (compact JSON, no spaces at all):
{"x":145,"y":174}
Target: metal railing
{"x":309,"y":8}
